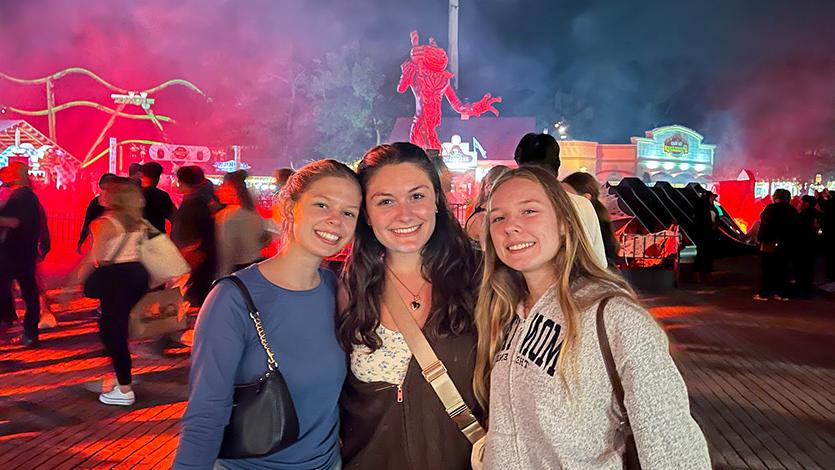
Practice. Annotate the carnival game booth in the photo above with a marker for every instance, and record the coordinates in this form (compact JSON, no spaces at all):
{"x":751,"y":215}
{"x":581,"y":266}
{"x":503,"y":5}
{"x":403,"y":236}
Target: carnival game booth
{"x":661,"y":224}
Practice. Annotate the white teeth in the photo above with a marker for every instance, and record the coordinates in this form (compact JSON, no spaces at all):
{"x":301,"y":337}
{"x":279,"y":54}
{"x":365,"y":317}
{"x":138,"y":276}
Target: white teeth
{"x":406,"y":230}
{"x":327,"y":235}
{"x":520,"y":246}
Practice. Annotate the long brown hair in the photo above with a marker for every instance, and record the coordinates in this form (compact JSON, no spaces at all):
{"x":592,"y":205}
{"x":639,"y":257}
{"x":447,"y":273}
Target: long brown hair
{"x":449,"y":262}
{"x":503,"y":288}
{"x":124,"y":201}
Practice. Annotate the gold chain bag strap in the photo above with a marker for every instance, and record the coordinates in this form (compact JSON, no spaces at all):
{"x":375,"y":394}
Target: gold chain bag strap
{"x":435,"y":373}
{"x":263,"y":419}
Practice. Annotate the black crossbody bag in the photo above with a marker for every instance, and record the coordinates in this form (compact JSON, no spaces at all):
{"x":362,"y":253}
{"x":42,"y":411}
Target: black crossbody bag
{"x":263,"y":419}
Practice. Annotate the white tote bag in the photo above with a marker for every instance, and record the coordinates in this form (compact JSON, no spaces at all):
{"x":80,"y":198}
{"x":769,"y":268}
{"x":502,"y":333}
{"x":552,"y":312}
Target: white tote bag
{"x":161,"y":257}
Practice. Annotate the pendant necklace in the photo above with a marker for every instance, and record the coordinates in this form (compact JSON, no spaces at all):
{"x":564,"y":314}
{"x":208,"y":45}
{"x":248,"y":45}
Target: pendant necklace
{"x":416,"y":302}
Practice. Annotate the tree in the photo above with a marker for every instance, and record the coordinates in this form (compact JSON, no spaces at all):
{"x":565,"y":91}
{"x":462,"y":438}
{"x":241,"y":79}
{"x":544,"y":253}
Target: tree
{"x":344,"y":91}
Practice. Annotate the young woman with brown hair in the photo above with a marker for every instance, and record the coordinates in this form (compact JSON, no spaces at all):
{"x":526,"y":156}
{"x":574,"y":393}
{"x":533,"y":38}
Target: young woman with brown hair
{"x":540,"y":363}
{"x":407,"y":238}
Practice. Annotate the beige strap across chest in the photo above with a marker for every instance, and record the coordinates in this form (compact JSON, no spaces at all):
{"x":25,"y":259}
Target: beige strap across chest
{"x":432,"y":368}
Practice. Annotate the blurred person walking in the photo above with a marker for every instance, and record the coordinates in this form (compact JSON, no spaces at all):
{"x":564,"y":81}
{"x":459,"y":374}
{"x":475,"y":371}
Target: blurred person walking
{"x":193,"y":231}
{"x":778,"y":227}
{"x":239,"y":228}
{"x":706,"y":218}
{"x":94,"y":210}
{"x":158,"y":204}
{"x":807,"y":246}
{"x":122,"y":281}
{"x":827,"y":207}
{"x":21,"y":218}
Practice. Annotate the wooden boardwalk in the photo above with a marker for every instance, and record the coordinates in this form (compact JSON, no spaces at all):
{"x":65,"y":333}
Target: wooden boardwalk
{"x":761,"y":378}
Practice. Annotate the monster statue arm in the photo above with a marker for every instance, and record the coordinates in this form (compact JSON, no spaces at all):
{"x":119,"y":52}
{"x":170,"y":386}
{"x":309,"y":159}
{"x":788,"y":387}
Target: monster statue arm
{"x":473,"y":109}
{"x":409,"y":67}
{"x":407,"y":76}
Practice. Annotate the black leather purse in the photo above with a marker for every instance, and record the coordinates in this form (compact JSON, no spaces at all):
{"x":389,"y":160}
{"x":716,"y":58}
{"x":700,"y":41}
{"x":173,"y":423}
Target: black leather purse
{"x":263,"y":419}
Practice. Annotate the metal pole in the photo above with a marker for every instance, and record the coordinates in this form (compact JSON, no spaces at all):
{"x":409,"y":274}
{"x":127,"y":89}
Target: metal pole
{"x":236,"y":152}
{"x":453,"y":41}
{"x":50,"y":107}
{"x":111,"y":167}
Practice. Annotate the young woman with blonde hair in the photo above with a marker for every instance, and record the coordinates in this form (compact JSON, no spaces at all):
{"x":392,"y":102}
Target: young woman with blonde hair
{"x":540,"y":364}
{"x":117,"y":236}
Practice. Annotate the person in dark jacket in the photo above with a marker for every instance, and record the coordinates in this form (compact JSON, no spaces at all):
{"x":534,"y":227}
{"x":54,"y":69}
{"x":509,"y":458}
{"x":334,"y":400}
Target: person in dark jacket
{"x":22,"y":218}
{"x":158,"y":204}
{"x":826,"y":203}
{"x":705,"y":220}
{"x":193,"y":231}
{"x":807,"y":245}
{"x":94,"y":210}
{"x":407,"y":239}
{"x":778,"y":226}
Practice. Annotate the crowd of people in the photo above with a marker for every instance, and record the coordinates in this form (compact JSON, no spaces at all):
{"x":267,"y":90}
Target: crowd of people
{"x":791,"y":233}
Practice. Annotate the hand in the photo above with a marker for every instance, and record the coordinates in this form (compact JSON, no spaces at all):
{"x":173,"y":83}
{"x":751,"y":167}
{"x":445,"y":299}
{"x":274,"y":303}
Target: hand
{"x":486,"y":104}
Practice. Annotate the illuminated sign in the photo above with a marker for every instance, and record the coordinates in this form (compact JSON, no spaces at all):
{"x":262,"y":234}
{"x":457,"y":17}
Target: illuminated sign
{"x":676,"y":145}
{"x":229,"y":166}
{"x":458,"y":156}
{"x":179,"y":153}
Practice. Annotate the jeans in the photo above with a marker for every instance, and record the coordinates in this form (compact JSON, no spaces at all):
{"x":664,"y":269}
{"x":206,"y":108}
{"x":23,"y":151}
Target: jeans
{"x":124,"y":285}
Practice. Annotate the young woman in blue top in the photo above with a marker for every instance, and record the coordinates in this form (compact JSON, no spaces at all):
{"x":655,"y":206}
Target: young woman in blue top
{"x":296,"y":300}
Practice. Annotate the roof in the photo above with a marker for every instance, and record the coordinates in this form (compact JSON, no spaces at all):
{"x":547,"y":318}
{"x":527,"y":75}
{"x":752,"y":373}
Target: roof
{"x":28,"y":134}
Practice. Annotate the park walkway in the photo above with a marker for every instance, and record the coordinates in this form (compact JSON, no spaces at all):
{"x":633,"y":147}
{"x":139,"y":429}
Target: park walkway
{"x":761,"y":378}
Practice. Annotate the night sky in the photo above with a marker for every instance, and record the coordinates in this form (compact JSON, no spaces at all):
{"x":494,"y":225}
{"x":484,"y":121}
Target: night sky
{"x":755,"y":77}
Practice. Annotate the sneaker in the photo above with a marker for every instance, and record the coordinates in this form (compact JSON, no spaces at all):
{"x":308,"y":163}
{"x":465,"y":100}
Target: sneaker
{"x":116,"y":397}
{"x":759,"y":298}
{"x":780,"y":298}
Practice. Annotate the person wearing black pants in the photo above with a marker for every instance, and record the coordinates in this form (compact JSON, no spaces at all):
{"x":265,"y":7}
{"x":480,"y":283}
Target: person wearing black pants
{"x":123,"y":287}
{"x":22,"y":222}
{"x":777,"y":237}
{"x":119,"y":279}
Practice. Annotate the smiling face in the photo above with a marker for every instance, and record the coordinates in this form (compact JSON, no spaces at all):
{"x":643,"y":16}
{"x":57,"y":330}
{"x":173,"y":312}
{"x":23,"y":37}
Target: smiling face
{"x":325,"y":215}
{"x":524,"y":228}
{"x":400,"y":207}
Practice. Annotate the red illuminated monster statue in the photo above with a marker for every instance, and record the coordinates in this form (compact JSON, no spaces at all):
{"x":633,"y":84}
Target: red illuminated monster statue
{"x":426,"y":74}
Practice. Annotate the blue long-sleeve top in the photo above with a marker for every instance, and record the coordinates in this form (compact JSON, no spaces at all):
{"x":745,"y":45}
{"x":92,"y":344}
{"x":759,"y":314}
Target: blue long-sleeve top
{"x":300,"y":329}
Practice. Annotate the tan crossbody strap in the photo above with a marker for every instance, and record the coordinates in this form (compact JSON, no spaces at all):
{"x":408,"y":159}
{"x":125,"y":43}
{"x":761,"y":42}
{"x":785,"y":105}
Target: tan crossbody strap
{"x":432,"y":368}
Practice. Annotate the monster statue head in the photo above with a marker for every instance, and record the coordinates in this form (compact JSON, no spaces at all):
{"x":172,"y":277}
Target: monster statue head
{"x":429,"y":57}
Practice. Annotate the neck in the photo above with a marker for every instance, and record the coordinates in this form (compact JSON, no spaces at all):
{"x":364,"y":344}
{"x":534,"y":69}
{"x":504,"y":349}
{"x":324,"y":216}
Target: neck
{"x":538,"y":283}
{"x":404,"y":263}
{"x":293,"y":268}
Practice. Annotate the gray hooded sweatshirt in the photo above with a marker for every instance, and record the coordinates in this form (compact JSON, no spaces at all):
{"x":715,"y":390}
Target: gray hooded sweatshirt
{"x":535,"y":424}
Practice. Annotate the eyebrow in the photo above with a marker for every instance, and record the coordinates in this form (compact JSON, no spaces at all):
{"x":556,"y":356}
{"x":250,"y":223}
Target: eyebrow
{"x":324,"y":196}
{"x":526,"y":201}
{"x":420,"y":186}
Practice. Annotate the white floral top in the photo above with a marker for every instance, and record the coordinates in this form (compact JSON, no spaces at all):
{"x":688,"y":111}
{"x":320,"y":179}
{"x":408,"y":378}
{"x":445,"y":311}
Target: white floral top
{"x":387,"y":364}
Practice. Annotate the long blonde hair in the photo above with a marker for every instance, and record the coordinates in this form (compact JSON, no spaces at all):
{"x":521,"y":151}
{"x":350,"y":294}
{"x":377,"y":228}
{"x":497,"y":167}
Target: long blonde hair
{"x":503,"y":288}
{"x":124,"y":200}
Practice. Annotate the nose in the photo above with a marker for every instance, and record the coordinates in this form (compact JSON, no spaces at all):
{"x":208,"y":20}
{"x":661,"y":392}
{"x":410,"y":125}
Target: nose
{"x":333,"y":218}
{"x":404,"y":212}
{"x":511,"y":226}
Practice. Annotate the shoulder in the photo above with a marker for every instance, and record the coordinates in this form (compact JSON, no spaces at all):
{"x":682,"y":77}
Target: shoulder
{"x":628,"y":320}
